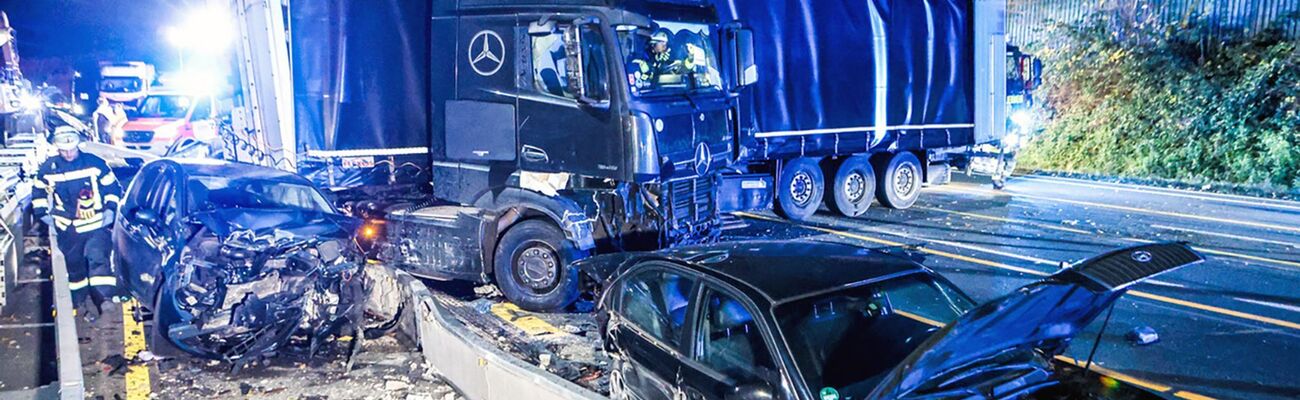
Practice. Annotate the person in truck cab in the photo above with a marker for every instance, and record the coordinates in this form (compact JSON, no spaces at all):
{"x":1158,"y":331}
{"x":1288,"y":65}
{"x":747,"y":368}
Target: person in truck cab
{"x":657,"y":62}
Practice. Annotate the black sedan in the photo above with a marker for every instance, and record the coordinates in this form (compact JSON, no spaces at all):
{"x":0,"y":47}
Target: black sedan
{"x":234,"y":259}
{"x":815,"y":320}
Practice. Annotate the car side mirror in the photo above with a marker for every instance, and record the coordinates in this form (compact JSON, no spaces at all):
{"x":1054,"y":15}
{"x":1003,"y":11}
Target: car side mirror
{"x":144,"y":217}
{"x":753,"y":391}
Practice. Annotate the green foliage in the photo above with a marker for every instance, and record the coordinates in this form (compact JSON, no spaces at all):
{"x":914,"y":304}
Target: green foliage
{"x":1156,"y":102}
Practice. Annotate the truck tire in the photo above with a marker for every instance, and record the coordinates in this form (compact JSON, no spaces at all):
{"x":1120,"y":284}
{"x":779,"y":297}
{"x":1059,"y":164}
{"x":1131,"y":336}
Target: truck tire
{"x":799,"y":191}
{"x":852,"y":189}
{"x":899,"y":183}
{"x":533,"y":266}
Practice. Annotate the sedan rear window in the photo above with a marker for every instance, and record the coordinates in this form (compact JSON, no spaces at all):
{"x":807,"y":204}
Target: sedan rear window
{"x":848,"y":339}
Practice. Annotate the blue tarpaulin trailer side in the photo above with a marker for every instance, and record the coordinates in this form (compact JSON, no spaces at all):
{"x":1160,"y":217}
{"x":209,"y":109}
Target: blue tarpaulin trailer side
{"x":879,"y":79}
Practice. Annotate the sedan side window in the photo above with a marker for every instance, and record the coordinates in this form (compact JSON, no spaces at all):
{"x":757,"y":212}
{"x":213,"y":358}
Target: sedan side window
{"x":139,"y":187}
{"x":731,"y":342}
{"x":656,"y":301}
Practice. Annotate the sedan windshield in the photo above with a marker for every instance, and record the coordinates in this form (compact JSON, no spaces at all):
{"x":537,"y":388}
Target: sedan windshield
{"x":670,"y":57}
{"x":849,"y":339}
{"x":219,"y":192}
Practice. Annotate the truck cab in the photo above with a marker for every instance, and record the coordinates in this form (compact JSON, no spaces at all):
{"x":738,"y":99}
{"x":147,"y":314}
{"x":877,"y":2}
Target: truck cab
{"x":565,"y":129}
{"x":125,"y":82}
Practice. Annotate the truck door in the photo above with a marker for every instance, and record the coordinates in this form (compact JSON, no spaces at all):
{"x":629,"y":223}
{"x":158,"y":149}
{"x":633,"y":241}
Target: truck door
{"x":480,"y":119}
{"x":564,"y":128}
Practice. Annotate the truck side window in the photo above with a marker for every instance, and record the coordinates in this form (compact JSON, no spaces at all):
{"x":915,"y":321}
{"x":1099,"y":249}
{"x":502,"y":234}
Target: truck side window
{"x":594,"y":62}
{"x":550,"y":65}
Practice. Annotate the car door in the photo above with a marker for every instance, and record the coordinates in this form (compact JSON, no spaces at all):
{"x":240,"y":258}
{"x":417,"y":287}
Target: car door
{"x":128,"y":236}
{"x":647,"y":330}
{"x":731,"y":350}
{"x":144,"y":243}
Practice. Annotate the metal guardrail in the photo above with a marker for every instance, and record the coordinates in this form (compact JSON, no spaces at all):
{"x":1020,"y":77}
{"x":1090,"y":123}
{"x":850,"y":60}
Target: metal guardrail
{"x":475,"y":366}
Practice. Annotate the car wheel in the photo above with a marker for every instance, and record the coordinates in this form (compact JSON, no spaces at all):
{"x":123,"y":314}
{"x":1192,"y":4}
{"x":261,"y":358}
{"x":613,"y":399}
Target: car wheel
{"x":533,"y":266}
{"x":852,"y":190}
{"x":165,"y":314}
{"x":899,"y":183}
{"x":800,"y":189}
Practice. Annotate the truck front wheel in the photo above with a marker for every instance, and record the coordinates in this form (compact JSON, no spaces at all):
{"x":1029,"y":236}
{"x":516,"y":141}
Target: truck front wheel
{"x":799,"y":191}
{"x":851,"y":190}
{"x":899,"y":183}
{"x":532,"y":266}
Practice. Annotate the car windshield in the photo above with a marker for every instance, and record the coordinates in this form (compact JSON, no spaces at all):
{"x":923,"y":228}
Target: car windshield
{"x":219,"y":192}
{"x":670,"y":57}
{"x":849,"y":339}
{"x":120,"y":85}
{"x":170,"y":107}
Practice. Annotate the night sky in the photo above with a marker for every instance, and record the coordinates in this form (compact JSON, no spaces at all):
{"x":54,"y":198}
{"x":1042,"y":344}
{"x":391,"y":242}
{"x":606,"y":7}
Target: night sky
{"x":84,"y":32}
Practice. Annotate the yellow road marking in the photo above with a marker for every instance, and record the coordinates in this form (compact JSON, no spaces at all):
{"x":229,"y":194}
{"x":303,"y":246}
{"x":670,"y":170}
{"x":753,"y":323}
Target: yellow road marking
{"x":1253,"y":201}
{"x":919,"y":318}
{"x":1228,"y":236}
{"x":1182,"y":394}
{"x":1149,"y":296}
{"x":1130,"y":239}
{"x":1007,"y":220}
{"x":1118,"y":376}
{"x":1133,"y":209}
{"x":1217,"y":310}
{"x":523,"y":320}
{"x":138,"y":386}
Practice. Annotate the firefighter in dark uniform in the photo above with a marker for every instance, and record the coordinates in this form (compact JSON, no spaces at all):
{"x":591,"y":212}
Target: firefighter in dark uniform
{"x":77,"y":195}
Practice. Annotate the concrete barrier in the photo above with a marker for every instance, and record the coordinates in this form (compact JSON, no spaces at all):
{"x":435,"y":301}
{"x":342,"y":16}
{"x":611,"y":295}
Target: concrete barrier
{"x":476,"y":367}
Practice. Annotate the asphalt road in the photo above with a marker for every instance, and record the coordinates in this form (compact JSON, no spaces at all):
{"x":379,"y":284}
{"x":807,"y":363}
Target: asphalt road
{"x":1229,"y":327}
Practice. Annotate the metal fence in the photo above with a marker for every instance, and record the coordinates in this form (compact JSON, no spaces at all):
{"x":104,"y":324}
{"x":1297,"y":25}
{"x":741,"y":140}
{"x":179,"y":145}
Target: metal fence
{"x":1028,"y":20}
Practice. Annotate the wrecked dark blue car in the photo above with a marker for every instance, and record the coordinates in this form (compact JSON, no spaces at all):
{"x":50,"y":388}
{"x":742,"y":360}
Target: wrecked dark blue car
{"x":814,"y":320}
{"x":235,"y":260}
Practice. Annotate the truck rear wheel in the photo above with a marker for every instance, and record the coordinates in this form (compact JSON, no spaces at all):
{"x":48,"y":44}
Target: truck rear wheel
{"x":850,"y":192}
{"x":800,"y":190}
{"x":899,"y":183}
{"x":532,"y":266}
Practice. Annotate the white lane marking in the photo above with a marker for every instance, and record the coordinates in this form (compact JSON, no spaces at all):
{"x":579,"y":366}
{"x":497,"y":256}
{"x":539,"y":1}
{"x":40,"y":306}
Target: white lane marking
{"x":1284,"y":228}
{"x":1228,"y":236}
{"x":27,"y":326}
{"x":1287,"y":307}
{"x":1163,"y":283}
{"x":1234,"y":199}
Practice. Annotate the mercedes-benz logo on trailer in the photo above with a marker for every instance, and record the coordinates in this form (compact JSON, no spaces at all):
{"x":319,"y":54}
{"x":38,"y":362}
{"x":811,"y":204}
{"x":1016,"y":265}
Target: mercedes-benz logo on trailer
{"x":486,"y":53}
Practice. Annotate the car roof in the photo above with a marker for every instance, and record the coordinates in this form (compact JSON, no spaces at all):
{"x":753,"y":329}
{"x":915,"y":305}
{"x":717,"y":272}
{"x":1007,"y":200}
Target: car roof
{"x":233,"y":170}
{"x":780,"y":271}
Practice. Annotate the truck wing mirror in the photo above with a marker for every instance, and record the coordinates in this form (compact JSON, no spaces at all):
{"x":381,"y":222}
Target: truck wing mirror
{"x":573,"y":53}
{"x":744,"y":70}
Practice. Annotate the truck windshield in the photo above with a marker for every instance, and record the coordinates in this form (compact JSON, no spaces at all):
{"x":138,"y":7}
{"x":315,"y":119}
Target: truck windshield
{"x":171,"y":107}
{"x":120,"y":85}
{"x":670,"y":57}
{"x":847,"y":340}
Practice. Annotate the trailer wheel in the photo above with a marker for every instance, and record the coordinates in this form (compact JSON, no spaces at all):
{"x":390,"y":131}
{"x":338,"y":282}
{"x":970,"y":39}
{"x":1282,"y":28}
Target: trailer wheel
{"x":899,"y":184}
{"x":533,"y":266}
{"x":851,"y":192}
{"x":800,"y":190}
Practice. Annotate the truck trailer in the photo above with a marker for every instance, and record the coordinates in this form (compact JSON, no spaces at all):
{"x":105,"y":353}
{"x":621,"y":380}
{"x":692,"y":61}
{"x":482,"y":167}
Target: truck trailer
{"x":535,"y":132}
{"x":863,"y":99}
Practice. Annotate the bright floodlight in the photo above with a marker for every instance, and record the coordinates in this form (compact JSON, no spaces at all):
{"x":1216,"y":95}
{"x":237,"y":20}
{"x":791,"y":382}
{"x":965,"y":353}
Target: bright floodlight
{"x":205,"y":30}
{"x":32,"y":102}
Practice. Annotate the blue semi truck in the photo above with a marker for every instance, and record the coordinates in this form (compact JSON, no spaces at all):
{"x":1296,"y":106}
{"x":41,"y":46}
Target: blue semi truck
{"x":864,"y":100}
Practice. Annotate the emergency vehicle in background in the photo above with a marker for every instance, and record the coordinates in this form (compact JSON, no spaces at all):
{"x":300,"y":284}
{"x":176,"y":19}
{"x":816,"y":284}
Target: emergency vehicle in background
{"x":125,"y":82}
{"x":166,"y":118}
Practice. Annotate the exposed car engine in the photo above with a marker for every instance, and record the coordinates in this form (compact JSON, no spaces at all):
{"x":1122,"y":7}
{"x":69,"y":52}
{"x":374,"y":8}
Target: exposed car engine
{"x":247,"y":296}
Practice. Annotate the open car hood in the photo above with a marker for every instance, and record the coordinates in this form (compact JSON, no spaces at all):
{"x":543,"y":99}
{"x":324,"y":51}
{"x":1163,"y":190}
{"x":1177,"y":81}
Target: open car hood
{"x":999,"y":350}
{"x":298,"y":222}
